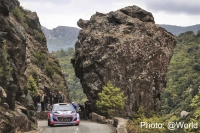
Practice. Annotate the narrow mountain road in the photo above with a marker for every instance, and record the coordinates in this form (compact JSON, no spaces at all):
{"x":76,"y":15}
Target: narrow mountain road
{"x":84,"y":127}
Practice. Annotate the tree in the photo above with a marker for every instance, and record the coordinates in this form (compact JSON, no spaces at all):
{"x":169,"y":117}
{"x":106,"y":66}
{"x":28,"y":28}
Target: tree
{"x":62,"y":53}
{"x":70,"y":51}
{"x":32,"y":86}
{"x":111,"y":100}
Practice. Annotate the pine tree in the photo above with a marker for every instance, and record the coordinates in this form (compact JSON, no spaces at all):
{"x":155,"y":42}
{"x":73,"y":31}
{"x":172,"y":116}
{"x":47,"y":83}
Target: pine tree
{"x":32,"y":86}
{"x":111,"y":100}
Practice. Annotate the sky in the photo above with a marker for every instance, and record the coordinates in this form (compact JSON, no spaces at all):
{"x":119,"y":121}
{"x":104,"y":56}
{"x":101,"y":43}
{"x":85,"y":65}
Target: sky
{"x":53,"y":13}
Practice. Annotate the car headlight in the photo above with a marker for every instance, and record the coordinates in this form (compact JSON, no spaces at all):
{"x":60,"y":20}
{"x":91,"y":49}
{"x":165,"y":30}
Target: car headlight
{"x":75,"y":114}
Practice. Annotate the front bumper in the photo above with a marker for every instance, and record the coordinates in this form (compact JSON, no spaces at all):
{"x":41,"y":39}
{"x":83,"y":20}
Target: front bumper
{"x":60,"y":119}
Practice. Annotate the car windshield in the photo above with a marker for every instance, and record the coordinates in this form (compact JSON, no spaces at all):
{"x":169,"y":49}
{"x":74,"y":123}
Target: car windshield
{"x":63,"y":108}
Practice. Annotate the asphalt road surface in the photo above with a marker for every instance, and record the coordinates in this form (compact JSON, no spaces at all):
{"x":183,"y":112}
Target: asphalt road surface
{"x":84,"y":127}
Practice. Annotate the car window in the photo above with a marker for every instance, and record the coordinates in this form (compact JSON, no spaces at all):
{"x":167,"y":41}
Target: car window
{"x":63,"y":108}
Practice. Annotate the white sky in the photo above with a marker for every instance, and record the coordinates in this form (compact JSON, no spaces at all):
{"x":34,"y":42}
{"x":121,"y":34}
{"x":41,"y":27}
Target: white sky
{"x":53,"y":13}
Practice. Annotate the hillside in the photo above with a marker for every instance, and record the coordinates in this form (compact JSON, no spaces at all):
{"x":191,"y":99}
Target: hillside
{"x":61,"y":37}
{"x":176,"y":30}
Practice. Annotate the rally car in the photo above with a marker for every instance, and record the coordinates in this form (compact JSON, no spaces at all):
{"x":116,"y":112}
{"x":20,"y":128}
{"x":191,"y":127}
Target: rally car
{"x":63,"y":114}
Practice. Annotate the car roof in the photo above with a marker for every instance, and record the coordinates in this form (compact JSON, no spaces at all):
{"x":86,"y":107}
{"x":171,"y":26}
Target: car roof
{"x":62,"y":104}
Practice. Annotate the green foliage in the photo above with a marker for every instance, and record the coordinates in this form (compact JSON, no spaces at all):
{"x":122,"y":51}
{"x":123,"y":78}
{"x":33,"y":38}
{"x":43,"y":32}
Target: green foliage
{"x":38,"y":36}
{"x":49,"y":70}
{"x":18,"y":13}
{"x":51,"y":67}
{"x":195,"y":103}
{"x":183,"y":77}
{"x":111,"y":100}
{"x":32,"y":86}
{"x":76,"y":91}
{"x":70,"y":51}
{"x":40,"y":58}
{"x":62,"y":53}
{"x":5,"y":66}
{"x":58,"y":83}
{"x":134,"y":125}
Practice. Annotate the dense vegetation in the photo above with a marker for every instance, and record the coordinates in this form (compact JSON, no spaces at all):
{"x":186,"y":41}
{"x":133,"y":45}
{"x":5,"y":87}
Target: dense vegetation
{"x":75,"y":88}
{"x":183,"y":78}
{"x":182,"y":91}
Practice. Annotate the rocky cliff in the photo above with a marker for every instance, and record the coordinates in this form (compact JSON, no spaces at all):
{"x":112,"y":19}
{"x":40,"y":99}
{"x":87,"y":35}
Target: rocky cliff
{"x":23,"y":54}
{"x":127,"y":48}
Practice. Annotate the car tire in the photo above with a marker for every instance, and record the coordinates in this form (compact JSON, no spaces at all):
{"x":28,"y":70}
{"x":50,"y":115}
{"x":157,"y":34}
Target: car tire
{"x":77,"y":124}
{"x":51,"y":125}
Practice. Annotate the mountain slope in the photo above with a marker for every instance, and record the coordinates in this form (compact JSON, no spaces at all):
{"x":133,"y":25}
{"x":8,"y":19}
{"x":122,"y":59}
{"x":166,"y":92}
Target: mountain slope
{"x":60,"y":37}
{"x":176,"y":30}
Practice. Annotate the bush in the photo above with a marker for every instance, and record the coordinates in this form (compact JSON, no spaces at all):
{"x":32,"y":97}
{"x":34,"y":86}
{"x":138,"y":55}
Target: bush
{"x":38,"y":36}
{"x":111,"y":101}
{"x":32,"y":86}
{"x":49,"y":70}
{"x":196,"y":67}
{"x":41,"y":58}
{"x":19,"y":15}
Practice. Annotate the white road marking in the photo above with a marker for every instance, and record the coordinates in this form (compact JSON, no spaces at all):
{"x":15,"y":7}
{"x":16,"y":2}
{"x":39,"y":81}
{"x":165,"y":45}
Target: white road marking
{"x":76,"y":129}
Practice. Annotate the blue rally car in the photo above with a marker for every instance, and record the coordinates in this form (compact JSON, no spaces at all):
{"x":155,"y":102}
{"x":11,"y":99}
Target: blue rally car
{"x":63,"y":114}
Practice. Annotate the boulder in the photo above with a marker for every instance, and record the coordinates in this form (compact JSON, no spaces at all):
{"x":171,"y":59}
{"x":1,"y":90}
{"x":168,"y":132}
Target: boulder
{"x":127,"y":48}
{"x":184,"y":113}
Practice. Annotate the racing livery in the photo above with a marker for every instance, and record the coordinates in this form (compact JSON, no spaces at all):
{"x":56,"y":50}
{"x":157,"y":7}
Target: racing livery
{"x":63,"y":114}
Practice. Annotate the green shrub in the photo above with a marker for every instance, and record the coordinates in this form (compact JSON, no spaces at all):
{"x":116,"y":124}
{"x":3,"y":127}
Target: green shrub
{"x":32,"y":86}
{"x":51,"y":67}
{"x":111,"y":100}
{"x":18,"y":13}
{"x":40,"y":58}
{"x":38,"y":36}
{"x":49,"y":70}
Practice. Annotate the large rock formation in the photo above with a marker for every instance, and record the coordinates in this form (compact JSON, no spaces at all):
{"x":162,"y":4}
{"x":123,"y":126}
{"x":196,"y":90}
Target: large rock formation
{"x":23,"y":52}
{"x":127,"y":48}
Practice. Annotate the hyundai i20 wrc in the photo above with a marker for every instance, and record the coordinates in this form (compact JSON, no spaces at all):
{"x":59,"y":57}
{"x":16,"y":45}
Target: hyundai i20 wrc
{"x":63,"y":114}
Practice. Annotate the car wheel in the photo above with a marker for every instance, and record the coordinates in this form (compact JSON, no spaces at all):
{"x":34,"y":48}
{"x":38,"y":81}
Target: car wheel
{"x":51,"y":125}
{"x":77,"y":124}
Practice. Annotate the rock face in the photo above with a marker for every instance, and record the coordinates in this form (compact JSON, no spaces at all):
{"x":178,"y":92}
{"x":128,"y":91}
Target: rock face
{"x":127,"y":48}
{"x":23,"y":53}
{"x":27,"y":50}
